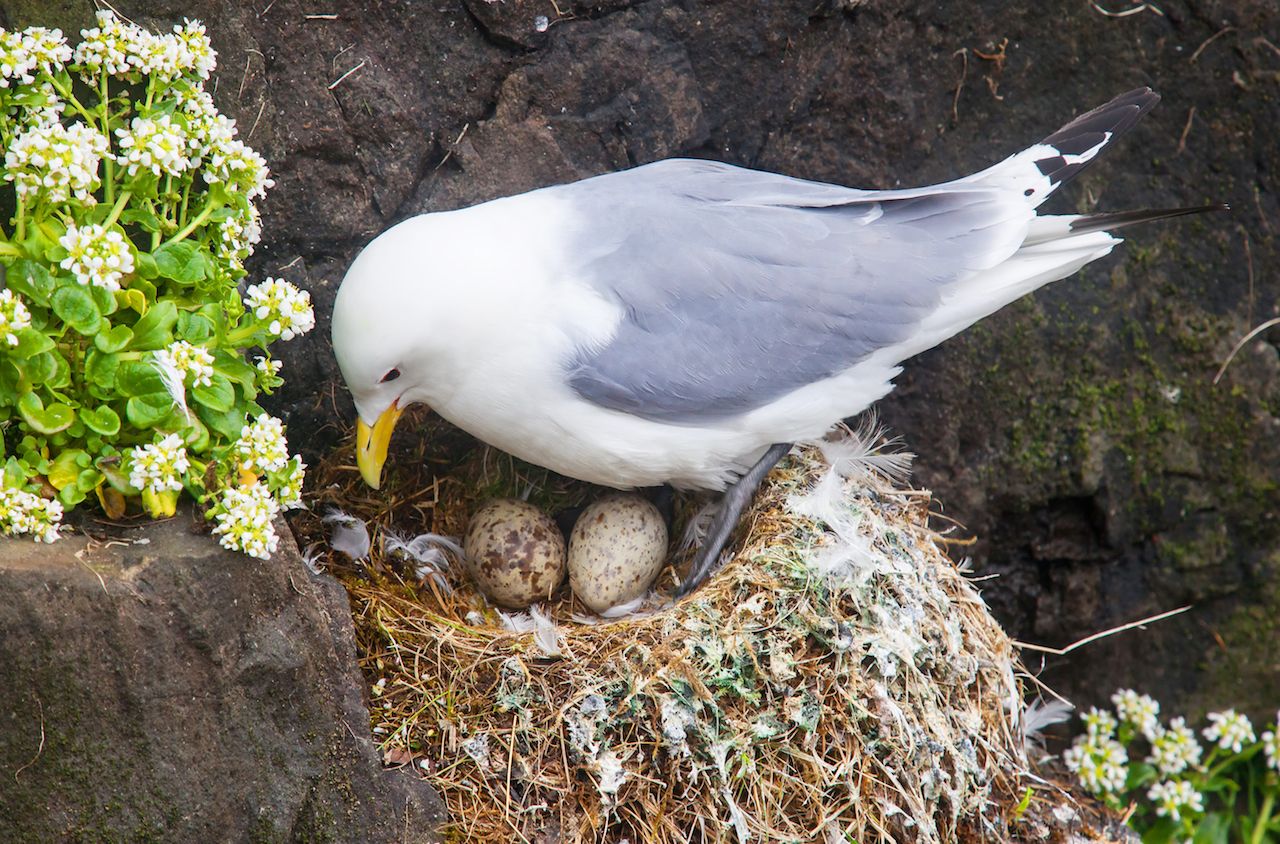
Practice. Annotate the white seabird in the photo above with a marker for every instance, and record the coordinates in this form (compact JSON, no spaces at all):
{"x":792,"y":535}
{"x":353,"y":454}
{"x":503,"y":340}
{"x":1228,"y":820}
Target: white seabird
{"x":686,"y":321}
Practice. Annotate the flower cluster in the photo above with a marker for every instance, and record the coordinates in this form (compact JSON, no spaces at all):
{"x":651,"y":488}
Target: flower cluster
{"x":1100,"y":762}
{"x":127,"y":51}
{"x":159,"y":466}
{"x":1229,"y":730}
{"x":155,"y":144}
{"x":1175,"y":798}
{"x":14,"y":316}
{"x":54,"y":163}
{"x":244,"y":517}
{"x":289,"y":491}
{"x":262,"y":446}
{"x":141,"y":190}
{"x":96,"y":256}
{"x":1175,"y":749}
{"x":34,"y":49}
{"x":1099,"y":723}
{"x":1139,"y":711}
{"x":24,"y":512}
{"x":239,"y":166}
{"x":282,"y":306}
{"x":190,"y":362}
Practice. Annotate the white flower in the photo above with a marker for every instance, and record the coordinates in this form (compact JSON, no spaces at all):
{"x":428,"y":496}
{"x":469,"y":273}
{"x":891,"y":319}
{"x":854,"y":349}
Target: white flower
{"x":244,"y":517}
{"x":14,"y":316}
{"x":1099,"y":723}
{"x":262,"y":446}
{"x":24,"y":512}
{"x":54,"y":162}
{"x":289,"y":492}
{"x":238,"y":165}
{"x":206,"y":128}
{"x":239,"y":236}
{"x":96,"y":256}
{"x":268,"y":367}
{"x":33,"y":49}
{"x":283,"y":307}
{"x":1271,"y":744}
{"x":42,"y":107}
{"x":1175,"y":797}
{"x":1175,"y":749}
{"x":1100,"y":763}
{"x":188,"y":360}
{"x":1229,"y":730}
{"x":158,"y":145}
{"x":197,"y":53}
{"x":1142,"y":711}
{"x":159,"y":467}
{"x":120,"y":48}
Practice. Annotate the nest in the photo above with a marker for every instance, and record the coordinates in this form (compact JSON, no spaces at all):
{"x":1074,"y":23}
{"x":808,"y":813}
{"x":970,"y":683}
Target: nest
{"x":838,"y":680}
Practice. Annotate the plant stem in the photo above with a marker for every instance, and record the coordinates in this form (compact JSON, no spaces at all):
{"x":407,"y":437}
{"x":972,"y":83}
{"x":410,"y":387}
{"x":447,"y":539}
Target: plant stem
{"x":194,"y":224}
{"x":21,"y":216}
{"x":104,"y":108}
{"x":116,"y":209}
{"x":1264,"y":817}
{"x":69,"y":97}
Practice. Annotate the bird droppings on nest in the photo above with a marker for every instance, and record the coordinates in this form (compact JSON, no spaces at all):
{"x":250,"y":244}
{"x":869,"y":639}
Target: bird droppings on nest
{"x":838,"y":680}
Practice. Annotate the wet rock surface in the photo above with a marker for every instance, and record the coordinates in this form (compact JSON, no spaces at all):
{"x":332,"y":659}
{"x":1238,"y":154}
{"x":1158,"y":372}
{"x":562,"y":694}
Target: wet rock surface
{"x":1078,"y":434}
{"x":154,"y":687}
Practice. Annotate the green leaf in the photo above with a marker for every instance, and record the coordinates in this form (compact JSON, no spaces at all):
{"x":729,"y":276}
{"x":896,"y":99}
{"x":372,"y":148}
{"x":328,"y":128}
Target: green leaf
{"x":102,"y":419}
{"x":142,"y":218}
{"x":61,"y":377}
{"x":227,"y":423}
{"x":194,"y":328}
{"x":31,"y":342}
{"x":103,"y":299}
{"x":147,"y":411}
{"x":65,"y":468}
{"x":182,"y":261}
{"x":100,"y":370}
{"x":15,"y":474}
{"x":45,"y":420}
{"x":38,"y":369}
{"x":114,"y":340}
{"x":88,"y":480}
{"x":145,"y":267}
{"x":31,"y":280}
{"x":219,"y":395}
{"x":235,"y":368}
{"x":71,"y":495}
{"x":152,"y":331}
{"x":75,"y":305}
{"x":1214,"y":828}
{"x":137,"y":378}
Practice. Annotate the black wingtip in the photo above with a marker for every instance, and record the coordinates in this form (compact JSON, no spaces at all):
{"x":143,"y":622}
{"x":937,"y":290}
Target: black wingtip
{"x":1122,"y":219}
{"x":1090,"y":130}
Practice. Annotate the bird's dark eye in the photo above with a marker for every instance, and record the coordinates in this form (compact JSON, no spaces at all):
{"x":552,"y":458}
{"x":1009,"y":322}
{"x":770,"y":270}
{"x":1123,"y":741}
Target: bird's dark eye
{"x":390,"y":376}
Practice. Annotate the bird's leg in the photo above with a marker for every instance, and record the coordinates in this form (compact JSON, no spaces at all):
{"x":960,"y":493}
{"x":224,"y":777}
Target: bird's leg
{"x":736,"y":498}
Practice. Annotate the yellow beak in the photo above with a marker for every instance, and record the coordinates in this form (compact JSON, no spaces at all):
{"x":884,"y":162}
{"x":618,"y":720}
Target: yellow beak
{"x":371,"y":444}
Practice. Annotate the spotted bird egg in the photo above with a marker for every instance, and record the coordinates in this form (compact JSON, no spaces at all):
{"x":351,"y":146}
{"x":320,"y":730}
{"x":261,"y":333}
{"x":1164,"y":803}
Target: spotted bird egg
{"x":616,"y":550}
{"x":515,"y":552}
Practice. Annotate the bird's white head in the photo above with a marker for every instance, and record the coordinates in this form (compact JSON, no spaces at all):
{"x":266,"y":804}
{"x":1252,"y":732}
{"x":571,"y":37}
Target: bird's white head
{"x":383,"y":337}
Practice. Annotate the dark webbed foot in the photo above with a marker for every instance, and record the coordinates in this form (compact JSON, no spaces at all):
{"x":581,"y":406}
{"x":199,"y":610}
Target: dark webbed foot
{"x":735,"y":500}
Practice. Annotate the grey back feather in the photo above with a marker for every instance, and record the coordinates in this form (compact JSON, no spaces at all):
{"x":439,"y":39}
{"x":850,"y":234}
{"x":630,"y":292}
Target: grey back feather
{"x":740,"y":286}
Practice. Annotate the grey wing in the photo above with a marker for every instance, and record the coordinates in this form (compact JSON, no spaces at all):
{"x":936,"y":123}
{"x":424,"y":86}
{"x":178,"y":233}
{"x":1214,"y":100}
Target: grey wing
{"x":740,"y":286}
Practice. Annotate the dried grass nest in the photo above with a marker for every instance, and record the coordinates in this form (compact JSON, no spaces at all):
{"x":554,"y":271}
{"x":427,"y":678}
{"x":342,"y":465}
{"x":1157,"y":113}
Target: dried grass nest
{"x":838,"y":680}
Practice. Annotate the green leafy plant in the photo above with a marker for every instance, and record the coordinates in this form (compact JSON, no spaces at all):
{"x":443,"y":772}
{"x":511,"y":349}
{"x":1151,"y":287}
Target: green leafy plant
{"x":1175,"y":790}
{"x":123,"y":335}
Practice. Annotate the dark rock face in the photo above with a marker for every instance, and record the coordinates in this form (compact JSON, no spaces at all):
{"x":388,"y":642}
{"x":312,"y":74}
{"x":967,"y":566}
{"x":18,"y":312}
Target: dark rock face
{"x":173,"y":691}
{"x":1077,"y":434}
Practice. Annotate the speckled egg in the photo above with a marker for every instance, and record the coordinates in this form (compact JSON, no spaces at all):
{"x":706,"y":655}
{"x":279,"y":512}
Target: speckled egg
{"x":616,"y":550}
{"x":515,"y":552}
